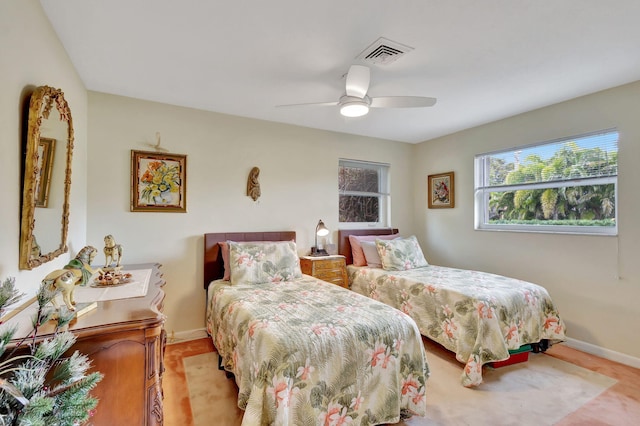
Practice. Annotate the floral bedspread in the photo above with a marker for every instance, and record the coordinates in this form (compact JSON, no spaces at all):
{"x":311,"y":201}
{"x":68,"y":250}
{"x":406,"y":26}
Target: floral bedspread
{"x":477,"y":315}
{"x":310,"y":352}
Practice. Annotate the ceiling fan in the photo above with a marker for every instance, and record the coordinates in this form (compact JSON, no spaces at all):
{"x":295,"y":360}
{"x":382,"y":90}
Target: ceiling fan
{"x":356,"y":103}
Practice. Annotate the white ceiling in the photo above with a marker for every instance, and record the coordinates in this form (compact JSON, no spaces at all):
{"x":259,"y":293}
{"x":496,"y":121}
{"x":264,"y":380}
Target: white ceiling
{"x":483,"y":60}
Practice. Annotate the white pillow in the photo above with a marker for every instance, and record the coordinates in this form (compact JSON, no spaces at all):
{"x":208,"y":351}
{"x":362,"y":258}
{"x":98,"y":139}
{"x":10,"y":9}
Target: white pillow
{"x":371,"y":254}
{"x":356,"y":248}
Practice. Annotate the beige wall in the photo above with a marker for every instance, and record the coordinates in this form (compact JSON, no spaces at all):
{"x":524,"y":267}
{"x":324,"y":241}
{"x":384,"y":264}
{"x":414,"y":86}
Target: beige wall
{"x":33,"y":56}
{"x":594,"y":280}
{"x":298,"y":177}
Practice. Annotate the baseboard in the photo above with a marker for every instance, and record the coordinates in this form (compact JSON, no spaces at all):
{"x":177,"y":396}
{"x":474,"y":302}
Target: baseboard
{"x":185,"y":336}
{"x":603,"y":352}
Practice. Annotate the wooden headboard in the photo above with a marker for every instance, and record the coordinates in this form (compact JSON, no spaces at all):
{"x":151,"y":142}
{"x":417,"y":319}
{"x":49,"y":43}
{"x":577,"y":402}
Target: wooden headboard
{"x":213,"y":266}
{"x":344,"y":246}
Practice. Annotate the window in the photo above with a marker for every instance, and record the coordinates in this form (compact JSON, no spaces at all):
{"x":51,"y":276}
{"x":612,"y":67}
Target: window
{"x":364,"y":194}
{"x":562,"y":186}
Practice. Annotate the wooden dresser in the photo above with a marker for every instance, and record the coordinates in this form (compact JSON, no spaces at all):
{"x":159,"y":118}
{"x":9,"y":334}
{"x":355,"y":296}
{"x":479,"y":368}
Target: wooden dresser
{"x":125,"y":341}
{"x":327,"y":268}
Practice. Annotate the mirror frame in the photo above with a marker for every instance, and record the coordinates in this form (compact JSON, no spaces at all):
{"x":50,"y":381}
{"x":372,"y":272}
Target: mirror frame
{"x":43,"y":99}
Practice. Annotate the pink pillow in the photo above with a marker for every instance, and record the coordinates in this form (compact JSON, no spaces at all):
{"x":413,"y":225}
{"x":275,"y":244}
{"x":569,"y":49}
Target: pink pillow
{"x":224,"y":247}
{"x":356,"y":247}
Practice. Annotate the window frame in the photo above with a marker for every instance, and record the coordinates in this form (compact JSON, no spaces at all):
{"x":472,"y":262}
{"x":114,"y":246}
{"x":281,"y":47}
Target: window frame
{"x":483,"y":189}
{"x":384,"y":194}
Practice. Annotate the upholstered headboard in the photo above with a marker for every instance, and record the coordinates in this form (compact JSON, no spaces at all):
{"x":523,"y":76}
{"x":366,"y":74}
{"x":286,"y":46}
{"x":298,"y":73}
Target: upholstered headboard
{"x":344,"y":246}
{"x":213,"y":265}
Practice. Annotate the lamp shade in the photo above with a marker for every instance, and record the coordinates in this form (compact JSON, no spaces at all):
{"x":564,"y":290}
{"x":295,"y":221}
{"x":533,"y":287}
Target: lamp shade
{"x":321,"y":230}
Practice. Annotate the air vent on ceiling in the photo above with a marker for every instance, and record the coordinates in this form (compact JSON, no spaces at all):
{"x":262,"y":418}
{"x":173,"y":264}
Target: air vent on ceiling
{"x":383,"y":51}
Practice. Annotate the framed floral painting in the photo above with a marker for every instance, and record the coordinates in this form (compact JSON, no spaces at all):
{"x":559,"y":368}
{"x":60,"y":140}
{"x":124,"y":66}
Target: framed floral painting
{"x":158,"y":182}
{"x":440,"y":191}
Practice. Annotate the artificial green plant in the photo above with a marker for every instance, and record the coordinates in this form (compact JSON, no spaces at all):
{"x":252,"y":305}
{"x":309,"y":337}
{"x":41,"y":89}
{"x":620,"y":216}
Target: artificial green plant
{"x":43,"y":386}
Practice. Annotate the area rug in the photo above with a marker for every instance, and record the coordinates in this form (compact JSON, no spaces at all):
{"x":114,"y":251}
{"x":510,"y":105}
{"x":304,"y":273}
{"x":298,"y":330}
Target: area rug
{"x":212,"y":396}
{"x":539,"y":392}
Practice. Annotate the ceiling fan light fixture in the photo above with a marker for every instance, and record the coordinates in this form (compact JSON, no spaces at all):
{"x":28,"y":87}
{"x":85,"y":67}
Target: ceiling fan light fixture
{"x":351,"y":106}
{"x":354,"y":109}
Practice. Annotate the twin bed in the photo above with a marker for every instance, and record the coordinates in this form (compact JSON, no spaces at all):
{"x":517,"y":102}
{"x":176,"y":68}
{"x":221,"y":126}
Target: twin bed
{"x":478,"y":316}
{"x":304,"y":351}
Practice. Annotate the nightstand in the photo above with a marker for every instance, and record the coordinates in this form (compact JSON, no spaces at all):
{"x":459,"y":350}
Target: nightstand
{"x":332,"y":269}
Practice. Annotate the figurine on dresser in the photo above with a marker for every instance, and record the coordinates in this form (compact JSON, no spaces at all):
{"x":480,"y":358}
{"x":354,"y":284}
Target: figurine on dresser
{"x":112,"y":252}
{"x":77,"y":272}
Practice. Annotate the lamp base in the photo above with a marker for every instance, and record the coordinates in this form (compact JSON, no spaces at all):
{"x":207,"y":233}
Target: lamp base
{"x":315,"y":251}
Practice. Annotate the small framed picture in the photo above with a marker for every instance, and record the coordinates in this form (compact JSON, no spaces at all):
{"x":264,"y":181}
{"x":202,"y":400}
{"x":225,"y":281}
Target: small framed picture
{"x":158,"y":182}
{"x":46,"y":152}
{"x":440,"y":191}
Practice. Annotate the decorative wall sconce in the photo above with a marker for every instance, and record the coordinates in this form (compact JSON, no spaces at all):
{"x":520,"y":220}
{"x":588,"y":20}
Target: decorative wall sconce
{"x":253,"y":184}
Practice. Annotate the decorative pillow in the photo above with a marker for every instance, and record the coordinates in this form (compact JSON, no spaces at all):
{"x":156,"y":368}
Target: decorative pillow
{"x":356,"y":248}
{"x":401,"y":254}
{"x":224,"y":248}
{"x":262,"y":262}
{"x":371,"y":254}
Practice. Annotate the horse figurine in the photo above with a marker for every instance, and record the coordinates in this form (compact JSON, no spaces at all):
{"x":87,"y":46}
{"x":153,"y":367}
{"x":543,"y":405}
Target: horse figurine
{"x":112,"y":251}
{"x":77,"y":272}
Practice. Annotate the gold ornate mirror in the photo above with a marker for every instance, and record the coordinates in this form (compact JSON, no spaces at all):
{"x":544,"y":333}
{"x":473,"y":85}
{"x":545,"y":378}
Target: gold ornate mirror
{"x":47,"y":178}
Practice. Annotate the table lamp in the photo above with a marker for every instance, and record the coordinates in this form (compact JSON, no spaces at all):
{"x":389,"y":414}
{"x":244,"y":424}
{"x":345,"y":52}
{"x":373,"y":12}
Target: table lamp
{"x":321,"y":231}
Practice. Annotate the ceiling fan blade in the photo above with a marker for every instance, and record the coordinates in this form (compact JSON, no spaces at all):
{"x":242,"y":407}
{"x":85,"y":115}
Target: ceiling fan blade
{"x":309,"y":104}
{"x":358,"y":81}
{"x":402,"y":102}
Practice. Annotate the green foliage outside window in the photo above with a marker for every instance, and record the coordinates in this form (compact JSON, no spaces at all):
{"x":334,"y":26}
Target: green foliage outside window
{"x":359,"y":189}
{"x":579,"y":205}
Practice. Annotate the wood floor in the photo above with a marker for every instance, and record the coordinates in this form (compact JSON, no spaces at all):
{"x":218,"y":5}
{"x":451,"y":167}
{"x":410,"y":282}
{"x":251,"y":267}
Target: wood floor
{"x":617,"y":406}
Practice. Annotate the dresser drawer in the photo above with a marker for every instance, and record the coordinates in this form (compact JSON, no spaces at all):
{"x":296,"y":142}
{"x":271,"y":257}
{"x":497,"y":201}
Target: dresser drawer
{"x":333,"y":279}
{"x":328,"y":265}
{"x":328,"y":274}
{"x":331,"y":269}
